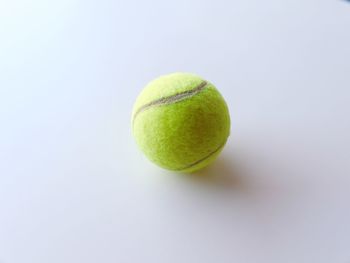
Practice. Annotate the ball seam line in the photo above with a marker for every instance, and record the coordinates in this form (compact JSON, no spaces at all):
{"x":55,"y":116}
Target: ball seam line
{"x":202,"y":159}
{"x":172,"y":99}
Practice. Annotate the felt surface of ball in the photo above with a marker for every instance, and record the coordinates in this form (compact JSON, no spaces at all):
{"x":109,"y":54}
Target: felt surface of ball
{"x":181,"y":122}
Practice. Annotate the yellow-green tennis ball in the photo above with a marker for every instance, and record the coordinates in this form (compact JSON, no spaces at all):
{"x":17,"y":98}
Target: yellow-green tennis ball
{"x":181,"y":122}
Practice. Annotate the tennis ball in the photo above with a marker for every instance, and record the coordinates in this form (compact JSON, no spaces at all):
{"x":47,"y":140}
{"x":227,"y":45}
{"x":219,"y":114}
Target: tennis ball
{"x":181,"y":122}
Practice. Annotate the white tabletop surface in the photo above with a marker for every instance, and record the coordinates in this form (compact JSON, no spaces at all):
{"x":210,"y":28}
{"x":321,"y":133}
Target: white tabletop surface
{"x":75,"y":188}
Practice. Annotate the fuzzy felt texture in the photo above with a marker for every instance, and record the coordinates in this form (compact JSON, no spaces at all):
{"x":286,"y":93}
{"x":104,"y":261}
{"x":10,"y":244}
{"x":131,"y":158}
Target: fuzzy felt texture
{"x":187,"y":127}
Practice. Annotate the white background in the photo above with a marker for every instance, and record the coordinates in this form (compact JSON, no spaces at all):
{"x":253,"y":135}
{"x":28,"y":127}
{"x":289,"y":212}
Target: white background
{"x":75,"y":188}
